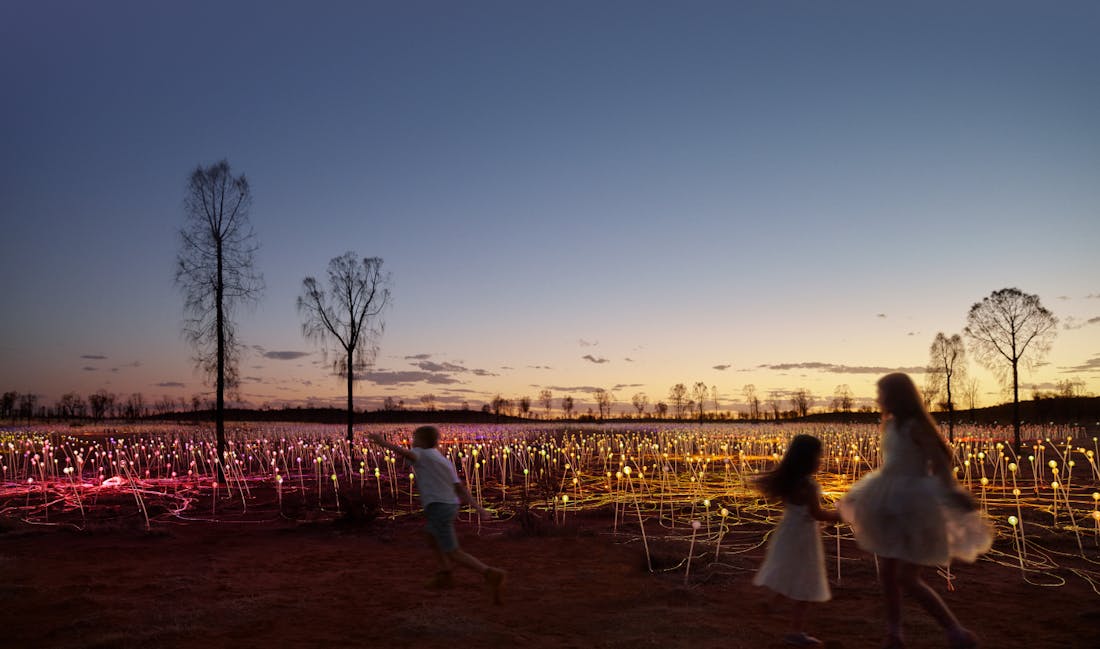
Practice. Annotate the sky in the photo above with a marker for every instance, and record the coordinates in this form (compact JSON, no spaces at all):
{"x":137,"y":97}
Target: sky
{"x":569,"y":195}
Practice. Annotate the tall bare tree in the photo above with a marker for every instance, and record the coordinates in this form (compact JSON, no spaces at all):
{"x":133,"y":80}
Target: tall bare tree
{"x":947,"y":361}
{"x":749,"y":392}
{"x":603,"y":402}
{"x":801,"y":401}
{"x":215,"y":272}
{"x":639,"y":401}
{"x":1005,"y":329}
{"x":842,"y":398}
{"x":567,"y":406}
{"x":699,"y":393}
{"x":347,"y":316}
{"x":546,"y":398}
{"x":677,"y":394}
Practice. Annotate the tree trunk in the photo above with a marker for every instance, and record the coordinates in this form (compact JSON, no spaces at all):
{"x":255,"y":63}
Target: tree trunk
{"x":219,"y":404}
{"x":1016,"y":405}
{"x":351,"y":409}
{"x":950,"y":413}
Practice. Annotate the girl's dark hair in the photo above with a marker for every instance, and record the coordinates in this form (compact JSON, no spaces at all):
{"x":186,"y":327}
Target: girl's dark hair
{"x":798,"y":463}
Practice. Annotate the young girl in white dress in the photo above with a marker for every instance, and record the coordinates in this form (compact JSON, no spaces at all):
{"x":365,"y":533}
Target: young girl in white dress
{"x":794,"y":565}
{"x":911,"y":511}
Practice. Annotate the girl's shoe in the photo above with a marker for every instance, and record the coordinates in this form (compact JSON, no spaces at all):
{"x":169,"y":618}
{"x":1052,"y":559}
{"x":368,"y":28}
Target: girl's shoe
{"x":802,"y":640}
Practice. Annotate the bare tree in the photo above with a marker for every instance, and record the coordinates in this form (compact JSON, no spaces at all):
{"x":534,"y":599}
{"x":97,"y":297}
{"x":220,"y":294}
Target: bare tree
{"x":677,"y":394}
{"x":7,"y":404}
{"x":214,"y":270}
{"x":525,"y":405}
{"x":699,"y":393}
{"x":970,"y":389}
{"x":99,"y":403}
{"x":603,"y":402}
{"x":348,"y":316}
{"x":749,"y":392}
{"x":639,"y":401}
{"x":429,"y":401}
{"x":27,"y":402}
{"x":567,"y":406}
{"x":1071,"y":388}
{"x":775,"y":397}
{"x":947,"y":360}
{"x":661,"y":408}
{"x":801,"y":402}
{"x":842,"y":398}
{"x":546,"y":398}
{"x":1005,"y":329}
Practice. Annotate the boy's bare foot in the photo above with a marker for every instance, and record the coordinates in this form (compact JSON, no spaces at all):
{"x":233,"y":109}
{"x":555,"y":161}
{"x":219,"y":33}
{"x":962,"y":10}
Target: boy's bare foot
{"x":495,"y":578}
{"x":442,"y":580}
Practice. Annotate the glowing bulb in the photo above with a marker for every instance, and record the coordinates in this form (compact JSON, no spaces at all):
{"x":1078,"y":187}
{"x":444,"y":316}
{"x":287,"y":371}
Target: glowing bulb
{"x":1013,"y":521}
{"x":696,"y":525}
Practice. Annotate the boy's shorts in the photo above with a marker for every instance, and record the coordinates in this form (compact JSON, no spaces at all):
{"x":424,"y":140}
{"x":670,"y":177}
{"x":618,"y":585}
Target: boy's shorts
{"x":441,"y":525}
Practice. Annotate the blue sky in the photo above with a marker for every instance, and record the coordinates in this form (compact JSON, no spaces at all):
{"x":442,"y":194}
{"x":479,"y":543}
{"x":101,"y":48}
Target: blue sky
{"x":684,"y":185}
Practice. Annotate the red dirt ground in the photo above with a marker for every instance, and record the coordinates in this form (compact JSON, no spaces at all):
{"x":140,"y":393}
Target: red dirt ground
{"x":286,"y":584}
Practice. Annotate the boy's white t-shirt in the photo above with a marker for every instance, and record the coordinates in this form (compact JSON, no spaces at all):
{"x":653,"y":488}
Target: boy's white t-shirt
{"x":435,"y":477}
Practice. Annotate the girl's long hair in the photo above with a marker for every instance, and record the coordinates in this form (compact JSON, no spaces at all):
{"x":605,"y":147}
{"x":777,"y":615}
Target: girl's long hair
{"x":798,"y":464}
{"x":901,"y":400}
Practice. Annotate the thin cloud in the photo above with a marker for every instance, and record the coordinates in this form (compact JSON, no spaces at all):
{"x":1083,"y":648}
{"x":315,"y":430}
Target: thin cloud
{"x":94,"y":357}
{"x":574,"y":388}
{"x":169,"y":384}
{"x":587,"y":343}
{"x":285,"y":356}
{"x":89,"y":368}
{"x":594,"y":359}
{"x":842,"y":369}
{"x":384,"y":377}
{"x":418,"y":357}
{"x":722,"y":368}
{"x":540,"y":367}
{"x":1091,"y":365}
{"x":1095,"y":320}
{"x":454,"y":368}
{"x":628,"y":359}
{"x":429,"y":366}
{"x":880,"y":315}
{"x":621,"y":386}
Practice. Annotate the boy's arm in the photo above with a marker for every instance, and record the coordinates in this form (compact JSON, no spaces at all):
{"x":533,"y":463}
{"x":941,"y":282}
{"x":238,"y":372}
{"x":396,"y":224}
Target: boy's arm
{"x":464,"y":495}
{"x":399,"y":450}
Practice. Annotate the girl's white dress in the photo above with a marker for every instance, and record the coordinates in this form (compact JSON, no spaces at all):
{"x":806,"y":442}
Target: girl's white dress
{"x":902,"y":511}
{"x":794,"y":564}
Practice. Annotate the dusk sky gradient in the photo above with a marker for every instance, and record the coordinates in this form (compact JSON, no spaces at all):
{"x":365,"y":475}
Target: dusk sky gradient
{"x":569,"y":195}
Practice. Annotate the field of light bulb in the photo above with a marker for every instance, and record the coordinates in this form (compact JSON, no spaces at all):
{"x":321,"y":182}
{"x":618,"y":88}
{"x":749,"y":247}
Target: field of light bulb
{"x":635,"y":481}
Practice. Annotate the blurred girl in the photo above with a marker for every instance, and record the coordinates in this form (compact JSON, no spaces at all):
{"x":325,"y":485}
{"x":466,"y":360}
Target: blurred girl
{"x":794,"y":565}
{"x":911,"y":512}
